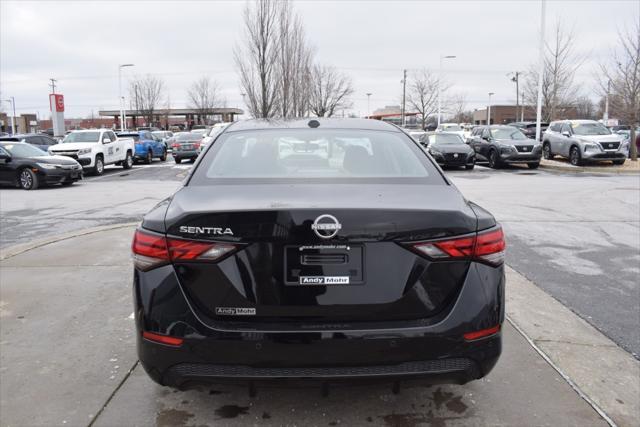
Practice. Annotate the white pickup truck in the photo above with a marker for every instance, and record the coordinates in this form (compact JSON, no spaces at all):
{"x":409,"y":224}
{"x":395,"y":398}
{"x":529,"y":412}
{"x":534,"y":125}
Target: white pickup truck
{"x":95,"y":148}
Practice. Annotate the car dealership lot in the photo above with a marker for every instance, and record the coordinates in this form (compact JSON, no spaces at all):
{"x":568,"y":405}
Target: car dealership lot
{"x":575,"y":236}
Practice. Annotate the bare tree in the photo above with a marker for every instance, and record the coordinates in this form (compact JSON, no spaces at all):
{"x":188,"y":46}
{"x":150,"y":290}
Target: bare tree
{"x":457,"y":108}
{"x":624,"y":78}
{"x":422,"y":95}
{"x":294,"y":63}
{"x":145,"y":94}
{"x":257,"y":59}
{"x":560,"y":65}
{"x":585,"y":108}
{"x":203,"y":96}
{"x":329,"y":91}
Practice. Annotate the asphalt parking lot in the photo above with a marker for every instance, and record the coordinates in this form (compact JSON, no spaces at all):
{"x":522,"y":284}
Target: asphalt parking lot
{"x":576,"y":237}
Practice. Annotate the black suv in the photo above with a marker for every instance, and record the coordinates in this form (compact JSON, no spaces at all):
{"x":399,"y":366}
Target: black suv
{"x":529,"y":128}
{"x":499,"y":145}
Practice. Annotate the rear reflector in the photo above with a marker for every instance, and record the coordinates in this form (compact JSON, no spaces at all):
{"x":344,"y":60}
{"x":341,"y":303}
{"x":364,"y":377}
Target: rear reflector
{"x":469,"y":336}
{"x":162,"y":339}
{"x":153,"y":250}
{"x":487,"y":246}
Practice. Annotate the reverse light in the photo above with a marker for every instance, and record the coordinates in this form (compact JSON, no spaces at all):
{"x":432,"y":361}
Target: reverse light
{"x":483,"y":333}
{"x":162,"y":339}
{"x":487,"y":246}
{"x":154,"y":250}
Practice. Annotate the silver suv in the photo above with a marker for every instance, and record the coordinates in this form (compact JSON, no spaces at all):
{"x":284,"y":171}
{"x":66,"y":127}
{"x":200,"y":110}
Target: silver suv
{"x":583,"y":140}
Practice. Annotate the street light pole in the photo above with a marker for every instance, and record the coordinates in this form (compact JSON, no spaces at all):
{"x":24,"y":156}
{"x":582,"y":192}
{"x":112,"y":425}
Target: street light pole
{"x":606,"y":104}
{"x":540,"y":70}
{"x":369,"y":104}
{"x":120,"y":98}
{"x":489,"y":109}
{"x":12,"y":100}
{"x":404,"y":97}
{"x":440,"y":84}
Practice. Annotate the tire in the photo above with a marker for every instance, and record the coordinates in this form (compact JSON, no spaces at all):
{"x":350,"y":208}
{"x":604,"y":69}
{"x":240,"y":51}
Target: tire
{"x":546,"y":151}
{"x":149,"y":158}
{"x":178,"y":160}
{"x":67,"y":183}
{"x":470,"y":167}
{"x":618,"y":162}
{"x":533,"y":165}
{"x":127,"y":163}
{"x":28,"y":180}
{"x":192,"y":160}
{"x":494,"y":160}
{"x":163,"y":158}
{"x":574,"y":156}
{"x":98,"y":169}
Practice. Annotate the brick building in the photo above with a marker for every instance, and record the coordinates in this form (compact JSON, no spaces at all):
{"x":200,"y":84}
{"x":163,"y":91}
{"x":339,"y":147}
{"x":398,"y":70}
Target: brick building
{"x":503,"y":114}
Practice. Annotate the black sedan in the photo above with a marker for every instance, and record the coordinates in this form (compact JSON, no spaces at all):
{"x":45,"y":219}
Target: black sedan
{"x":529,"y":128}
{"x":351,"y":256}
{"x":449,"y":150}
{"x":499,"y":145}
{"x":29,"y":167}
{"x":39,"y":140}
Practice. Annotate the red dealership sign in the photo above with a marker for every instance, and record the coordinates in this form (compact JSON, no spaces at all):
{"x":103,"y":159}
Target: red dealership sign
{"x":56,"y":102}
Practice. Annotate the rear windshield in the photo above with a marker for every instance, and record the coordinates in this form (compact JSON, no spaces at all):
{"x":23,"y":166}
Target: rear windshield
{"x":303,"y":154}
{"x":134,"y":136}
{"x":188,"y":137}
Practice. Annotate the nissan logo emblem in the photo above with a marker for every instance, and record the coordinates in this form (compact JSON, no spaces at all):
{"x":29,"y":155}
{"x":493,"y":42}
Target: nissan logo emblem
{"x":326,"y":226}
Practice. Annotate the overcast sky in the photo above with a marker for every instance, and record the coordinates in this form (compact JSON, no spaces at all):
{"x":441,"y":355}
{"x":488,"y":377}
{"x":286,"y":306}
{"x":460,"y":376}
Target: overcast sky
{"x":82,"y":43}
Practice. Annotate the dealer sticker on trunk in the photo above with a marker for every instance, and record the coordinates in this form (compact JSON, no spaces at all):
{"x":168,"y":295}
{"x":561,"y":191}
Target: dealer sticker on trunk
{"x":324,"y":280}
{"x":235,"y":311}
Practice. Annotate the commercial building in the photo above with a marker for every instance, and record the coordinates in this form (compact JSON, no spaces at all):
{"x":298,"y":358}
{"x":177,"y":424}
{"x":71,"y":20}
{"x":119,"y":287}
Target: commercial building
{"x":25,"y":123}
{"x":503,"y":114}
{"x":163,"y":118}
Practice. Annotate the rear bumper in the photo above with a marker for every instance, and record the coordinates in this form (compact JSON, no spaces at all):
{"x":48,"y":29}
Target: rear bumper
{"x":185,"y":154}
{"x":389,"y":351}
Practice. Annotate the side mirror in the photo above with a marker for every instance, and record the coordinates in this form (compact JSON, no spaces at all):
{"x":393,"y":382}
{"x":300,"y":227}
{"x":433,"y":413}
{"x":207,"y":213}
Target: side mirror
{"x":106,"y":140}
{"x":566,"y":133}
{"x":5,"y":158}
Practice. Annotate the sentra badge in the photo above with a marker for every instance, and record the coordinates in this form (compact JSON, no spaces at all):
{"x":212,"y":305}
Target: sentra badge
{"x":206,"y":230}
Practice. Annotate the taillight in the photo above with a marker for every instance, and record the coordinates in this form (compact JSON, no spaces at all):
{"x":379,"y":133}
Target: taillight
{"x":153,"y":250}
{"x":175,"y":145}
{"x":162,"y":339}
{"x":487,"y":246}
{"x":196,"y":144}
{"x":483,"y":333}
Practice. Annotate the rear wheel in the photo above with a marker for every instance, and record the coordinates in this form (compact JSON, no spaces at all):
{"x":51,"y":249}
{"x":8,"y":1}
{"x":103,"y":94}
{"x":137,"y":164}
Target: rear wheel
{"x":546,"y":151}
{"x":192,"y":160}
{"x":67,"y":183}
{"x":28,"y":180}
{"x":149,"y":157}
{"x":618,"y":162}
{"x":494,"y":161}
{"x":127,"y":163}
{"x":533,"y":165}
{"x":574,"y":156}
{"x":163,"y":158}
{"x":178,"y":160}
{"x":99,"y":166}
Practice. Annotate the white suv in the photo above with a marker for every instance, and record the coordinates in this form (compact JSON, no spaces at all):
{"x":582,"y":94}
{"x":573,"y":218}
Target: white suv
{"x":95,"y":148}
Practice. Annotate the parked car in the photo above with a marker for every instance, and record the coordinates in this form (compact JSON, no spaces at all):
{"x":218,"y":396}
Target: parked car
{"x":500,"y":144}
{"x":200,"y":131}
{"x":164,"y":136}
{"x":362,"y":263}
{"x":39,"y":140}
{"x":415,"y":134}
{"x":583,"y":141}
{"x":95,"y":148}
{"x":449,"y":149}
{"x":451,"y":128}
{"x":148,"y":128}
{"x":147,"y":147}
{"x":616,"y":128}
{"x":29,"y":167}
{"x":186,"y":145}
{"x":529,"y":128}
{"x":215,"y":130}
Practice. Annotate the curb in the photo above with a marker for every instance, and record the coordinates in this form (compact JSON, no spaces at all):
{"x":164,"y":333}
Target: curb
{"x":582,"y":169}
{"x":12,"y":251}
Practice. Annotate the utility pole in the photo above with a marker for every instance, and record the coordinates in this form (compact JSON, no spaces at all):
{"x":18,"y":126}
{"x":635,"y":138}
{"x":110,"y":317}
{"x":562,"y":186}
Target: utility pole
{"x":440,"y":84}
{"x":489,"y":109}
{"x":606,"y":103}
{"x":516,"y":79}
{"x":369,"y":104}
{"x":12,"y":100}
{"x":404,"y":93}
{"x":522,"y":109}
{"x":53,"y":85}
{"x":540,"y":70}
